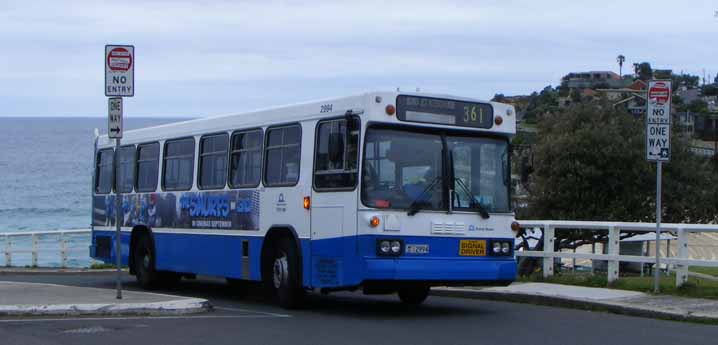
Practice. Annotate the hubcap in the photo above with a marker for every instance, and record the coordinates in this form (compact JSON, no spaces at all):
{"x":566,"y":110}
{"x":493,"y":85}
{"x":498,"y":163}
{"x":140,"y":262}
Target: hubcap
{"x":281,"y":274}
{"x":146,"y":261}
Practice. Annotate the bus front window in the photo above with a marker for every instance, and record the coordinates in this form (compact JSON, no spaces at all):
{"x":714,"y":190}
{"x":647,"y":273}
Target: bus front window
{"x":399,"y":168}
{"x":481,"y":172}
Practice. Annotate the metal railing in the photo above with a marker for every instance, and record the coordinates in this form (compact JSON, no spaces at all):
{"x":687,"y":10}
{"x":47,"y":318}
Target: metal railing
{"x":60,"y":246}
{"x":680,"y":262}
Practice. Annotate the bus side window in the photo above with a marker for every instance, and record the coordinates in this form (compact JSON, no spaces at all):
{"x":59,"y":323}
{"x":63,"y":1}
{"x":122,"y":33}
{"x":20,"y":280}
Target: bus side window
{"x":245,"y":159}
{"x":282,"y":156}
{"x":103,"y":171}
{"x":148,"y":156}
{"x":335,"y":163}
{"x":178,"y":165}
{"x":126,"y":178}
{"x":213,"y":161}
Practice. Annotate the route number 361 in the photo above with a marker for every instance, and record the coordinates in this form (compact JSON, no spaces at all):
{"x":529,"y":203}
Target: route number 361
{"x":470,"y":114}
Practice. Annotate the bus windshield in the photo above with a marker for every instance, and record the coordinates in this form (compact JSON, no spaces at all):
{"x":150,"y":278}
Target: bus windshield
{"x":401,"y":168}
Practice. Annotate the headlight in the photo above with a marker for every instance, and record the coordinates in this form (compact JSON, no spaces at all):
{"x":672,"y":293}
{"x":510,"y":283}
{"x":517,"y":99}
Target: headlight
{"x":505,"y":248}
{"x":497,"y":247}
{"x":395,"y":247}
{"x":384,"y":246}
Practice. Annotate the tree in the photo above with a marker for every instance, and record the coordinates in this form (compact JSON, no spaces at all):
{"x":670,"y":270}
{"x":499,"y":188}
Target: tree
{"x":499,"y":97}
{"x":541,"y":103}
{"x":698,"y":106}
{"x":643,"y":70}
{"x":687,"y":80}
{"x":621,"y":59}
{"x":710,"y":90}
{"x":589,"y":164}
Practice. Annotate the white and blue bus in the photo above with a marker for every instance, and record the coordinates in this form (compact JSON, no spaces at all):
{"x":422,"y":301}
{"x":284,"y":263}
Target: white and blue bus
{"x":387,"y":192}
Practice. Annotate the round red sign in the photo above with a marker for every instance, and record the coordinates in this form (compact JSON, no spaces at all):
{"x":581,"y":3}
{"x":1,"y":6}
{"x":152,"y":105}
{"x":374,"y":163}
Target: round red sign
{"x":659,"y":93}
{"x":119,"y":59}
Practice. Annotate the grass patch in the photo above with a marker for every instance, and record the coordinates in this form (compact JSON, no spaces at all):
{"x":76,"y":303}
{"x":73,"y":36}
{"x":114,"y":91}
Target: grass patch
{"x":695,"y":288}
{"x":713,"y":271}
{"x":101,"y":266}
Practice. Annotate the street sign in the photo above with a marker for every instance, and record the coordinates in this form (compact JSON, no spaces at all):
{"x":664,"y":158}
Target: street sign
{"x":658,"y":121}
{"x":114,"y":117}
{"x":119,"y":70}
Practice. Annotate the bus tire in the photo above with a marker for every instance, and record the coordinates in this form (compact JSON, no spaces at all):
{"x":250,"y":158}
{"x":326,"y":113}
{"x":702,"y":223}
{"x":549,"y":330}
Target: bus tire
{"x":144,"y":263}
{"x":414,"y":295}
{"x":284,"y":280}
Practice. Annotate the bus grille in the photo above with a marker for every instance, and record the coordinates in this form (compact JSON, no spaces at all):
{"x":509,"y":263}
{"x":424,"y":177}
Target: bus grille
{"x":448,"y":228}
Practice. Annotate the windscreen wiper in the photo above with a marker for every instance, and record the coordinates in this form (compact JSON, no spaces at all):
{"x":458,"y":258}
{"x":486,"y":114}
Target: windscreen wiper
{"x":473,"y":204}
{"x":415,"y":205}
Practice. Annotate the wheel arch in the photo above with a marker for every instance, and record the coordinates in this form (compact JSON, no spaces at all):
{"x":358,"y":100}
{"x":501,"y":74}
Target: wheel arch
{"x":275,"y":233}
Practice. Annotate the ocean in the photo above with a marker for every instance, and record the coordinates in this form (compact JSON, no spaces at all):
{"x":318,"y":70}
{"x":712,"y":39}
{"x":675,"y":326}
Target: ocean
{"x":46,"y":174}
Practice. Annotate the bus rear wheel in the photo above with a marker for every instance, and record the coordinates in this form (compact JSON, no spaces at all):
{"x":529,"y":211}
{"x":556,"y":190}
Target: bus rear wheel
{"x":414,"y":295}
{"x":284,"y":280}
{"x":144,"y":263}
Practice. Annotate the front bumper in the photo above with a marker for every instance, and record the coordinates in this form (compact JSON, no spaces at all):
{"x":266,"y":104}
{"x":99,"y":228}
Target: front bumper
{"x":441,"y":269}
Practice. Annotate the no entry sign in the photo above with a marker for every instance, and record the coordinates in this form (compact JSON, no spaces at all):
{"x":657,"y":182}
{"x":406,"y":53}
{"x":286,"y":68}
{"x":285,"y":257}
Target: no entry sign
{"x":119,"y":70}
{"x":658,"y":121}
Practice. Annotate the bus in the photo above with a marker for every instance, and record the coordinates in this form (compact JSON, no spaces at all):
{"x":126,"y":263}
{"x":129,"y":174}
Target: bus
{"x":383,"y":192}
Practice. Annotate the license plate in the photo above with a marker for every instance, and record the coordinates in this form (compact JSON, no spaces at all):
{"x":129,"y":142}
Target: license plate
{"x":417,"y":249}
{"x":472,"y":247}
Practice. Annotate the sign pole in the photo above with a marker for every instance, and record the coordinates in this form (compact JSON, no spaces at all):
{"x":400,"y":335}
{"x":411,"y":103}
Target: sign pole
{"x":118,"y":221}
{"x":119,"y":63}
{"x":658,"y":149}
{"x":656,"y":273}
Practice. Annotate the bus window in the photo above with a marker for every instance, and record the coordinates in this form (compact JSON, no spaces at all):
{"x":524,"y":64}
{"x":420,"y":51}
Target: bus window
{"x":246,"y":159}
{"x":282,"y":156}
{"x":103,"y":171}
{"x":126,"y":172}
{"x":178,"y":166}
{"x":147,"y":167}
{"x":335,"y":164}
{"x":213,"y":161}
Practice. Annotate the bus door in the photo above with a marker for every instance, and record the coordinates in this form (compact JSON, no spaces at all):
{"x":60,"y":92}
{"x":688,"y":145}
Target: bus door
{"x":334,"y":202}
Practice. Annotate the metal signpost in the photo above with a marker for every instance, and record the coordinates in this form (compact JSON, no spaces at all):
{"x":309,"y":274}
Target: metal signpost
{"x":119,"y":82}
{"x":658,"y":148}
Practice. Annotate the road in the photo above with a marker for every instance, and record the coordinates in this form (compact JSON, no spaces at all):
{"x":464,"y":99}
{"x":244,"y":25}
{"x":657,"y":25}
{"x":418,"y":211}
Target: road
{"x":343,"y":318}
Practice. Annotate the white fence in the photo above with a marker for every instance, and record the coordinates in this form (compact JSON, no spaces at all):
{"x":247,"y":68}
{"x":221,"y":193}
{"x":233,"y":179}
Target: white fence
{"x":60,"y":246}
{"x":681,"y":261}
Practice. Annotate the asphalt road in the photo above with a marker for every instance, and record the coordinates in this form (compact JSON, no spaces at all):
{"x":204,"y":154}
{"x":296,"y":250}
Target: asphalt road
{"x":343,"y":318}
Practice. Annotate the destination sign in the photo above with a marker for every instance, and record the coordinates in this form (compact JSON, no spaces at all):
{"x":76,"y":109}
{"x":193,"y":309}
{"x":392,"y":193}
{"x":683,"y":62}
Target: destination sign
{"x":444,"y":111}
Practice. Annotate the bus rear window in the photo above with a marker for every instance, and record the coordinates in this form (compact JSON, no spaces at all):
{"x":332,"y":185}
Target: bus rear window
{"x":103,"y":171}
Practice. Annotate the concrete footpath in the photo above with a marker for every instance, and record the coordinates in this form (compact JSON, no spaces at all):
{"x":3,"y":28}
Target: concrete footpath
{"x":611,"y":300}
{"x":33,"y":299}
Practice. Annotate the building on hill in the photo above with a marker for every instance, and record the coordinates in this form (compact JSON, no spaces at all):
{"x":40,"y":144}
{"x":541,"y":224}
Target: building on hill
{"x":592,"y":79}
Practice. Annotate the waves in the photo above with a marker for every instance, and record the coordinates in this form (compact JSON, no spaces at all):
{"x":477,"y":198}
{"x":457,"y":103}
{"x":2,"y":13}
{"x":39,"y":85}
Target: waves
{"x":39,"y":211}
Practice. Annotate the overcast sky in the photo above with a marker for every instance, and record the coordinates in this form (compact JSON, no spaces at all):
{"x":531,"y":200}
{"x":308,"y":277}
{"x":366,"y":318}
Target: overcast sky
{"x":196,"y":58}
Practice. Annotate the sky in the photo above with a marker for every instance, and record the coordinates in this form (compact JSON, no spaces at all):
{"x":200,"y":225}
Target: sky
{"x":199,"y":58}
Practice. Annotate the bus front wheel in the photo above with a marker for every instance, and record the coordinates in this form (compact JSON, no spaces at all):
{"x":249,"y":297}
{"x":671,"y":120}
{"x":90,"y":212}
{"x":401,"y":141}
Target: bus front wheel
{"x":284,"y":279}
{"x":414,"y":295}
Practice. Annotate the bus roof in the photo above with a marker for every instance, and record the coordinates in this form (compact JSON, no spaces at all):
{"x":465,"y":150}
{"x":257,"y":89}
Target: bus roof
{"x":282,"y":114}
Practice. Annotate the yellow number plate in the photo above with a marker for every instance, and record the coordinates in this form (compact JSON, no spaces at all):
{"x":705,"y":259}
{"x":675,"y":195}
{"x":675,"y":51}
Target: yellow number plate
{"x":472,"y":247}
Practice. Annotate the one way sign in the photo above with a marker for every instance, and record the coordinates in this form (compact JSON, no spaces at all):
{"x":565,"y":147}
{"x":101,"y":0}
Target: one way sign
{"x":114,"y":117}
{"x":658,"y":121}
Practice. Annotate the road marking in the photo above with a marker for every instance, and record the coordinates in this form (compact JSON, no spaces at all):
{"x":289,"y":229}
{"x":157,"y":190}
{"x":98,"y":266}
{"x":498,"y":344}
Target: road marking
{"x":251,"y":311}
{"x":263,"y":315}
